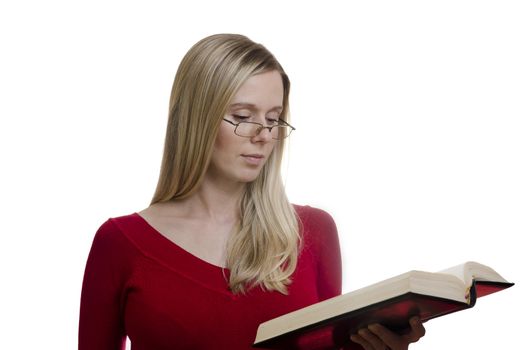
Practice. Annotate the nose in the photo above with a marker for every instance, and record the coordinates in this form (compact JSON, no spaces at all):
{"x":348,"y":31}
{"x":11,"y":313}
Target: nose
{"x":263,"y":135}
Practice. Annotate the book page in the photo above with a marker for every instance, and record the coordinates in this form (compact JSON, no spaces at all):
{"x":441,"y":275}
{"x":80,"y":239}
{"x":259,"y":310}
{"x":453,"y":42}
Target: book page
{"x":471,"y":270}
{"x":457,"y":271}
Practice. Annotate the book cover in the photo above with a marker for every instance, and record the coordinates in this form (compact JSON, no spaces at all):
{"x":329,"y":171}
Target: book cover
{"x":391,"y":303}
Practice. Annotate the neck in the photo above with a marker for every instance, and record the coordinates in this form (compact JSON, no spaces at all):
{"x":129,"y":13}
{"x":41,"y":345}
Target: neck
{"x":215,"y":202}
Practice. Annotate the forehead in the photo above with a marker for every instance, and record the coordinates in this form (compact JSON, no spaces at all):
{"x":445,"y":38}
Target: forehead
{"x":260,"y":91}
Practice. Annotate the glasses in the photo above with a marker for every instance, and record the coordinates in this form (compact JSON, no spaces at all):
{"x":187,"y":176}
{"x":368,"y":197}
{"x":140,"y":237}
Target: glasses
{"x":252,"y":129}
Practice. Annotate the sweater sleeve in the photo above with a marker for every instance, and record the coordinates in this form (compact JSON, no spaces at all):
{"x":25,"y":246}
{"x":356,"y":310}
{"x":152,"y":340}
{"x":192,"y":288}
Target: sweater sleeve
{"x":327,"y":252}
{"x":330,"y":274}
{"x":101,"y":322}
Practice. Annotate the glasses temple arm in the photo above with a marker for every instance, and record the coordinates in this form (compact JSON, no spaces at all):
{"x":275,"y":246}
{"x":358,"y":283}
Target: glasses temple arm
{"x":285,"y":122}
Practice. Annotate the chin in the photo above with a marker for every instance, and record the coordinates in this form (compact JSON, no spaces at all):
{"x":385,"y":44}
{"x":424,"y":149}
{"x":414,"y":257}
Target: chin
{"x":247,"y":178}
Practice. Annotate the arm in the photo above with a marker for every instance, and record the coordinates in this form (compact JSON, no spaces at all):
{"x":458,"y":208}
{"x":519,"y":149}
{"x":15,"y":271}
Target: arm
{"x":100,"y":322}
{"x":375,"y":336}
{"x":329,"y":255}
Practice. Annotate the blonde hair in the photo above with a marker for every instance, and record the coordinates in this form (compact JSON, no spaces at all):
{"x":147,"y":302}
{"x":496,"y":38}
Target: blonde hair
{"x":264,"y":246}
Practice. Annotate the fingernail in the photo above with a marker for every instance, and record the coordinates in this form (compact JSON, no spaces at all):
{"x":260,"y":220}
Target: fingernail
{"x":373,"y":326}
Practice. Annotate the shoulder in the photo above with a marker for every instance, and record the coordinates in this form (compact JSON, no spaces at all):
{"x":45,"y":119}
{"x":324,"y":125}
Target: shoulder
{"x":320,"y":242}
{"x":111,"y":261}
{"x":112,"y":233}
{"x":311,"y":217}
{"x":317,"y":227}
{"x":113,"y":226}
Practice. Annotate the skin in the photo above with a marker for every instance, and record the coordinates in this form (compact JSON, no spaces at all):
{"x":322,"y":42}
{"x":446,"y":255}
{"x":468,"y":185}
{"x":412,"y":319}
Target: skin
{"x":212,"y":210}
{"x":377,"y":337}
{"x":258,"y":100}
{"x":202,"y":223}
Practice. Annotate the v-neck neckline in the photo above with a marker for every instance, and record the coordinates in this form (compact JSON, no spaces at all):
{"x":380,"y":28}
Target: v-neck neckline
{"x":160,"y":236}
{"x":158,"y":248}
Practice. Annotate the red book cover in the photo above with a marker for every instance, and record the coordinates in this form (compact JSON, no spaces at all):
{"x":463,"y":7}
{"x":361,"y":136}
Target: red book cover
{"x":393,"y":313}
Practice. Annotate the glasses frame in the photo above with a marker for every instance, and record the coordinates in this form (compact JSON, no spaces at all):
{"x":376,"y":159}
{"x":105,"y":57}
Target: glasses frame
{"x":259,"y":130}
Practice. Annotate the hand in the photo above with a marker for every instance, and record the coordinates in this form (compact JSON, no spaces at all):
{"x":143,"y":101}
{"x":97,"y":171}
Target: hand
{"x":377,"y":337}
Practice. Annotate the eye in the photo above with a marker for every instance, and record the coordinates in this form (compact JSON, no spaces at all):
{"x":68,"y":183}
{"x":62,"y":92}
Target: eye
{"x":240,"y":117}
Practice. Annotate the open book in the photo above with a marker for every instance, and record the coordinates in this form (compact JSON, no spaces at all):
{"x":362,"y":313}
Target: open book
{"x":390,"y":302}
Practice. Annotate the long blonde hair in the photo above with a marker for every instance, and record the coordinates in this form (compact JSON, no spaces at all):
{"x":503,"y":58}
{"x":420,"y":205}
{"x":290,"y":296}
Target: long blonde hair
{"x":264,"y":246}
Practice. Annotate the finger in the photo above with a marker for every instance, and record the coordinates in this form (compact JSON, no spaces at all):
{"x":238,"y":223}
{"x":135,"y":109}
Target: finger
{"x":417,"y":330}
{"x":356,"y":338}
{"x":372,"y":338}
{"x":387,"y":337}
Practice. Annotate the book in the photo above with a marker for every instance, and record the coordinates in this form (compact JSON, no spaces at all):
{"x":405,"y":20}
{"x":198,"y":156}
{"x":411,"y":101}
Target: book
{"x":391,"y":302}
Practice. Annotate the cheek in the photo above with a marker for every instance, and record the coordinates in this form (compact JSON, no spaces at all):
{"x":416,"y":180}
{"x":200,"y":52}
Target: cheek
{"x":225,"y":140}
{"x":272,"y":146}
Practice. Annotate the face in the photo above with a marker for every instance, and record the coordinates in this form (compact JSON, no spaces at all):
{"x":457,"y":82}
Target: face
{"x":240,"y":159}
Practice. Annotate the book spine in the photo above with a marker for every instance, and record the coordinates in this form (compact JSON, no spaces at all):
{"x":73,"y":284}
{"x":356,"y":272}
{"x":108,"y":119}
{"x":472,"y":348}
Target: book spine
{"x":472,"y":298}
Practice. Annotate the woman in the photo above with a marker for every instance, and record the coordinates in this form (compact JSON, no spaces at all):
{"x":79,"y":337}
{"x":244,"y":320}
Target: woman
{"x":220,"y":249}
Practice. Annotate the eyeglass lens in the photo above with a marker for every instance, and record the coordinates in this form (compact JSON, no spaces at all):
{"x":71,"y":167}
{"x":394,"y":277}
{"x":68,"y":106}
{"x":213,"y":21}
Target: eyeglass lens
{"x":251,"y":129}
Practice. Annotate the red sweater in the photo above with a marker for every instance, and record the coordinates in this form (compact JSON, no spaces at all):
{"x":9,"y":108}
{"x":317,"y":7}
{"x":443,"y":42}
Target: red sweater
{"x":139,"y":284}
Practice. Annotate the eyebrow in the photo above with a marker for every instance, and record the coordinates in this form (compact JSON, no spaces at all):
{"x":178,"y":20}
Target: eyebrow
{"x":251,"y":106}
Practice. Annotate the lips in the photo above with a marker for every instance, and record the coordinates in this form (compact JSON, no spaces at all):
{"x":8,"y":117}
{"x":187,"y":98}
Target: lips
{"x":253,"y":159}
{"x":253,"y":155}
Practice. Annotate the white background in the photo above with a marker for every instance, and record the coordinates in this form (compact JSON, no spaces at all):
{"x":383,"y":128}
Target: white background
{"x":412,"y":132}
